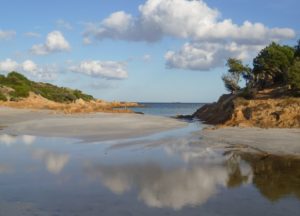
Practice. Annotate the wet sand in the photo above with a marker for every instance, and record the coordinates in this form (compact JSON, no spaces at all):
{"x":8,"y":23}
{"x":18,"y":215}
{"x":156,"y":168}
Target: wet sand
{"x":278,"y":141}
{"x":88,"y":127}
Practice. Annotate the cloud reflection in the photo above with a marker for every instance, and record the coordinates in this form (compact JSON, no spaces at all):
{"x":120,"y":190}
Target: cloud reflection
{"x":158,"y":187}
{"x":9,"y":140}
{"x":55,"y":162}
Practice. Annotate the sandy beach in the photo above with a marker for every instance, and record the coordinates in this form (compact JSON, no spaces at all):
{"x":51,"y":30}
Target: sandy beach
{"x":88,"y":127}
{"x":112,"y":126}
{"x":278,"y":141}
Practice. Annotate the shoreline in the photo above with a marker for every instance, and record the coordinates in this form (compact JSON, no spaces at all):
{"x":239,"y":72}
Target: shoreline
{"x":87,"y":127}
{"x":94,"y":127}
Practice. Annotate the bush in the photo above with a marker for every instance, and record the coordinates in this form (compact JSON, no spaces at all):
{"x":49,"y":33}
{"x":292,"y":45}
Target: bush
{"x":294,"y":75}
{"x":2,"y":97}
{"x":23,"y":87}
{"x":248,"y":93}
{"x":20,"y":91}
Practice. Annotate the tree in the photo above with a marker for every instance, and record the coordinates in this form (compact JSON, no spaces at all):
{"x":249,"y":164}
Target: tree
{"x":236,"y":68}
{"x":231,"y":83}
{"x":272,"y":64}
{"x":297,"y":50}
{"x":294,"y":75}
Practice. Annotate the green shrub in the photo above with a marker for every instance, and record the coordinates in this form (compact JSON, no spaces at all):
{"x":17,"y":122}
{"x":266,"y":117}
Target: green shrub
{"x":24,"y":86}
{"x":2,"y":97}
{"x":21,"y":91}
{"x":294,"y":75}
{"x":17,"y":76}
{"x":248,"y":93}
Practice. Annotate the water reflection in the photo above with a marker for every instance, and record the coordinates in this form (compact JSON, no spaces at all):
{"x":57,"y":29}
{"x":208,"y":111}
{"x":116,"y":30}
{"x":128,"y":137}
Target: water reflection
{"x":5,"y":169}
{"x":275,"y":177}
{"x":158,"y":187}
{"x":178,"y":174}
{"x":55,"y":162}
{"x":19,"y":209}
{"x":8,"y":140}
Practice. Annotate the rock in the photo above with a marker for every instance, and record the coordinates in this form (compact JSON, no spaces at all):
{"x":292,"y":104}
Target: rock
{"x":80,"y":101}
{"x":216,"y":113}
{"x":140,"y":113}
{"x":185,"y":117}
{"x":265,"y":112}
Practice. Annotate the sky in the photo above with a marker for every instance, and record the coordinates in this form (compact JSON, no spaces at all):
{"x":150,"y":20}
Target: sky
{"x":140,"y":50}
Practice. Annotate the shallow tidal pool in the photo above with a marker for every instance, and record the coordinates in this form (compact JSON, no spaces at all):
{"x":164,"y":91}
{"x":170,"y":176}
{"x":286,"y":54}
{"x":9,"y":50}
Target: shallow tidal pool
{"x":172,"y":173}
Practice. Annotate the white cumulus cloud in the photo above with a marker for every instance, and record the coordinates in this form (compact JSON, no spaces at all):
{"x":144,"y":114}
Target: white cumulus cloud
{"x":7,"y":34}
{"x":64,"y":24}
{"x":146,"y":58}
{"x":205,"y":56}
{"x":209,"y":36}
{"x":55,"y":42}
{"x":30,"y":68}
{"x":86,"y":41}
{"x":32,"y":34}
{"x":8,"y":65}
{"x":104,"y":69}
{"x":191,"y":19}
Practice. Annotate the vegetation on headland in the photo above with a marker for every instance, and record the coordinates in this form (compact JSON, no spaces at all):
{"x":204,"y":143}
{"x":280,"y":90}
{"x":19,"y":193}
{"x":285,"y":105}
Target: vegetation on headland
{"x":270,"y":97}
{"x":275,"y":66}
{"x":16,"y":86}
{"x":19,"y":92}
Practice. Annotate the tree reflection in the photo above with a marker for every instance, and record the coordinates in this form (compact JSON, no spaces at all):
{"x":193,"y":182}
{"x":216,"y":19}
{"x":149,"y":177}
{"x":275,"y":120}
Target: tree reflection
{"x":275,"y":177}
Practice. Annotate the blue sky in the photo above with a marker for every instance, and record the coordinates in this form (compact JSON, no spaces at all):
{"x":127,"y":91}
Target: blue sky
{"x":154,"y":50}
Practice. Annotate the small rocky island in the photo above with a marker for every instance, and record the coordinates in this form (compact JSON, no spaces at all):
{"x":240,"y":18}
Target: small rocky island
{"x":17,"y":91}
{"x":271,"y":96}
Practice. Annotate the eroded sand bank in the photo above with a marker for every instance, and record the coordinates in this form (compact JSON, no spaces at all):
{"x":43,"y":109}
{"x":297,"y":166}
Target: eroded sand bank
{"x":89,"y":127}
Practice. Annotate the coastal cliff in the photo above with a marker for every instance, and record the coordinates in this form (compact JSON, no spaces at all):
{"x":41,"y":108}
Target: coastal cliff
{"x":264,"y":112}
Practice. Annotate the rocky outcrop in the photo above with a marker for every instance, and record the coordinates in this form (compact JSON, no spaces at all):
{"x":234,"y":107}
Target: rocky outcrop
{"x":218,"y":112}
{"x":231,"y":110}
{"x":35,"y":101}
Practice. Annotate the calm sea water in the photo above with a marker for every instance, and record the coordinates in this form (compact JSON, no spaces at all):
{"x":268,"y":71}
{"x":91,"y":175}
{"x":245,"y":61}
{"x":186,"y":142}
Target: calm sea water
{"x":170,"y":173}
{"x":168,"y":109}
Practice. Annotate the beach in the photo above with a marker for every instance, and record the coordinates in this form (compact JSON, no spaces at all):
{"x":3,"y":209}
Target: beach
{"x":277,"y":141}
{"x":116,"y":126}
{"x":88,"y":127}
{"x":86,"y":163}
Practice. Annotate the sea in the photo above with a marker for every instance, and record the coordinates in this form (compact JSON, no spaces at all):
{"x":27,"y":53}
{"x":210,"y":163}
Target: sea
{"x":169,"y":173}
{"x":168,"y":109}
